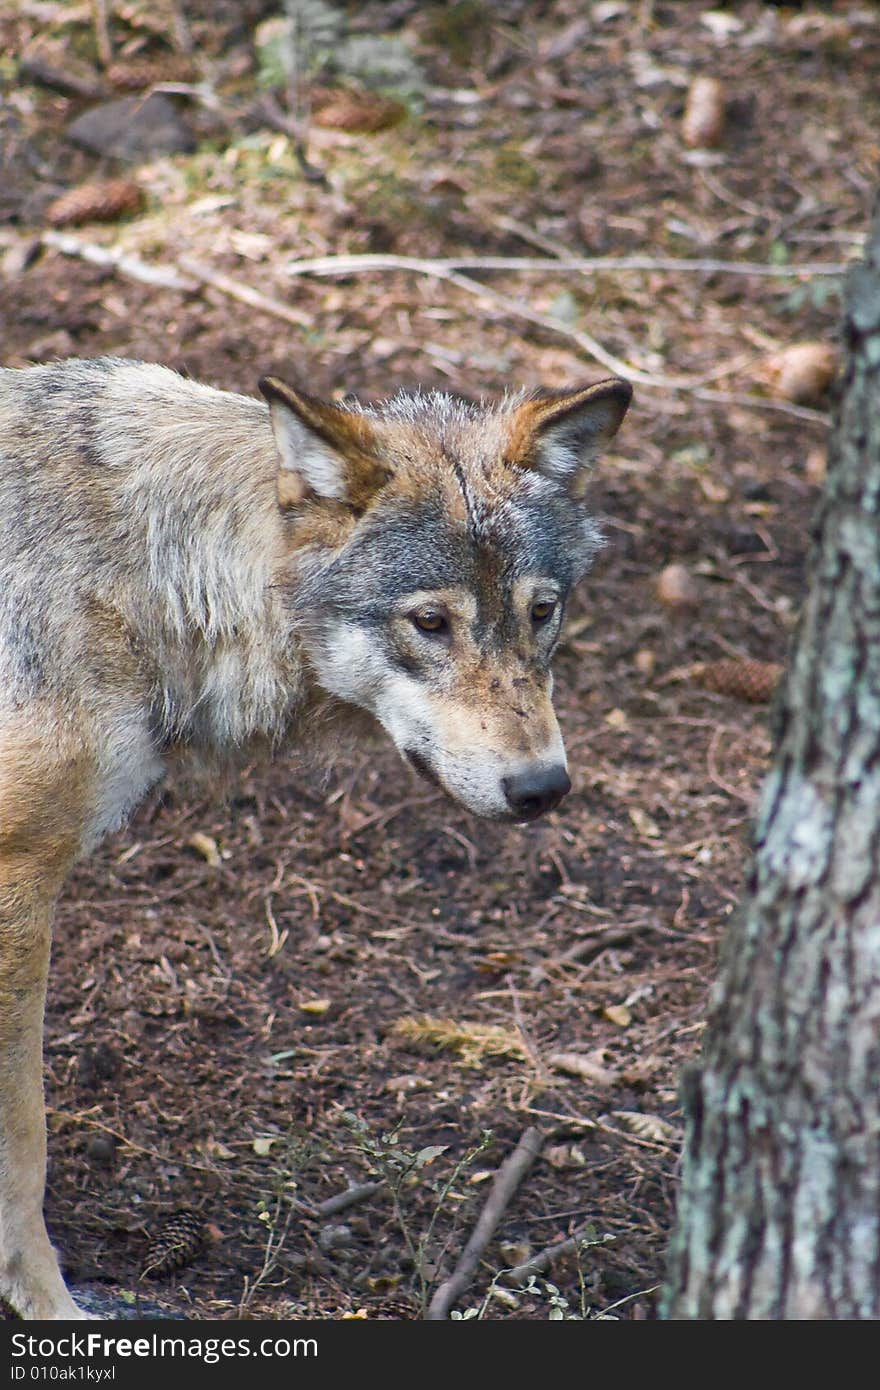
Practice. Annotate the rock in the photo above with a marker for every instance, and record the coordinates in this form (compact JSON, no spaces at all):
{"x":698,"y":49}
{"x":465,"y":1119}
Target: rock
{"x":133,"y":129}
{"x":101,"y":1150}
{"x":112,"y":1306}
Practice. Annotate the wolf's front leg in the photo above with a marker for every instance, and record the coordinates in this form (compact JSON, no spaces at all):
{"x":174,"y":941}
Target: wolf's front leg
{"x":30,"y":1280}
{"x":44,"y":789}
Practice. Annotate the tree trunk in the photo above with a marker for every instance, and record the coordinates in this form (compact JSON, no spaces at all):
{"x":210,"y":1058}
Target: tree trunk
{"x":779,"y":1214}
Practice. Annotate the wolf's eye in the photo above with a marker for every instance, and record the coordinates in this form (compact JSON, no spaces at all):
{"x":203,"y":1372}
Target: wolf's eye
{"x":430,"y":620}
{"x":543,"y":610}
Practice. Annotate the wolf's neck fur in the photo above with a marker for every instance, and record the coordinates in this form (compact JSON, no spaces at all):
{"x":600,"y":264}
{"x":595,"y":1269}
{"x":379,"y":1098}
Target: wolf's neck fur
{"x":227,"y":667}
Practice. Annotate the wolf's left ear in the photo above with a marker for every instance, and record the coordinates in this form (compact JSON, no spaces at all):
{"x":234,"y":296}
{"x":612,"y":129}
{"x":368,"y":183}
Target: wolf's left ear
{"x":326,"y":451}
{"x":562,"y":433}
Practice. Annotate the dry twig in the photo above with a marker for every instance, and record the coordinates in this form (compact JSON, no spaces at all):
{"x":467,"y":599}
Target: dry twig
{"x":234,"y":289}
{"x":188,"y":274}
{"x":551,"y":1254}
{"x":509,"y":1176}
{"x":449,"y":270}
{"x":355,"y":264}
{"x":166,"y":277}
{"x":331,"y":1206}
{"x":102,"y":32}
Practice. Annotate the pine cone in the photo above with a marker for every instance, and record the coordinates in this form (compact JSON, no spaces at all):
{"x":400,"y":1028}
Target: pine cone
{"x":140,"y":74}
{"x":175,"y":1243}
{"x":342,"y":108}
{"x":744,"y":679}
{"x":101,"y":201}
{"x":801,"y":372}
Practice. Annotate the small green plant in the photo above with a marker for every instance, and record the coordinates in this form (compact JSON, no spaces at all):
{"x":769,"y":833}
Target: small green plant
{"x":541,"y":1289}
{"x":821,"y":293}
{"x":290,"y":1156}
{"x":401,"y":1169}
{"x":559,"y":1305}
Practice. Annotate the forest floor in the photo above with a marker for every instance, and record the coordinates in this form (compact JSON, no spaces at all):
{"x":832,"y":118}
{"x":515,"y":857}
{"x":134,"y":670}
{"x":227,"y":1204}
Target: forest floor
{"x":351,"y":981}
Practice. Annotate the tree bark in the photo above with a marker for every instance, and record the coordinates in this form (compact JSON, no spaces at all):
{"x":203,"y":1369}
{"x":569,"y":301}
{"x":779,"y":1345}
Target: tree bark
{"x":779,"y":1213}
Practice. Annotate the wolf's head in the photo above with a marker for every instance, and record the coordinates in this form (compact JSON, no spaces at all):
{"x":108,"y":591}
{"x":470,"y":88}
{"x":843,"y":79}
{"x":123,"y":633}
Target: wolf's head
{"x":433,"y":545}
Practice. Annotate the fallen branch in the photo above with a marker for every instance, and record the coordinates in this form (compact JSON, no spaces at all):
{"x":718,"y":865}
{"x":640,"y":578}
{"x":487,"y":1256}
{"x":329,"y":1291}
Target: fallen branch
{"x":550,"y":1255}
{"x":183,"y":40}
{"x":445,"y":270}
{"x":800,"y":412}
{"x":349,"y":1198}
{"x":589,"y":947}
{"x":507,"y":1180}
{"x":354,"y":264}
{"x":68,"y":81}
{"x":189,"y":275}
{"x":102,"y":32}
{"x":133,"y":267}
{"x":243,"y":293}
{"x":581,"y":1122}
{"x":186,"y":274}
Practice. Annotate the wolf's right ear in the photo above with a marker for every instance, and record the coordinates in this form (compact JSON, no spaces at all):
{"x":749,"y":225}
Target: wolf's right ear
{"x":326,"y":451}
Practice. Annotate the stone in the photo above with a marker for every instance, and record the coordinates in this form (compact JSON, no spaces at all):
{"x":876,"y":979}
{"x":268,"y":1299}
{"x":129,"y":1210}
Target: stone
{"x":133,"y":129}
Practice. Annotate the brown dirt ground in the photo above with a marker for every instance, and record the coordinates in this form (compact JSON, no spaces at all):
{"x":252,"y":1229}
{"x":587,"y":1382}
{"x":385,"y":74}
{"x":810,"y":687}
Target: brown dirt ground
{"x":226,"y":1038}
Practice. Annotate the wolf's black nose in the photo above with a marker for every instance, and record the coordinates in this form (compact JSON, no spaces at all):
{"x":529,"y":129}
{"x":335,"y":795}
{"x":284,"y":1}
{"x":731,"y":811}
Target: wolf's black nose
{"x":538,"y":789}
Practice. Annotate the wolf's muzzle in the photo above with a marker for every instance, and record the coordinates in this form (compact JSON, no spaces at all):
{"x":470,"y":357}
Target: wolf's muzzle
{"x":538,"y":789}
{"x":422,"y":767}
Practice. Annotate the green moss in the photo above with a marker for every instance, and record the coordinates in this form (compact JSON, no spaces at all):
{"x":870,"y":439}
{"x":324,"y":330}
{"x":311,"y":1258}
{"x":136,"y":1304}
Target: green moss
{"x":512,"y":167}
{"x":461,"y":30}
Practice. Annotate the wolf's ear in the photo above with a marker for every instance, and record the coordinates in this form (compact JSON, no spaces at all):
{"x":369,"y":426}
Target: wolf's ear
{"x":326,"y":451}
{"x":562,"y":433}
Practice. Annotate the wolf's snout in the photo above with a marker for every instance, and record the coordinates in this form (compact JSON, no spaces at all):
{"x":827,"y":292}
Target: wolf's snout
{"x":538,"y":789}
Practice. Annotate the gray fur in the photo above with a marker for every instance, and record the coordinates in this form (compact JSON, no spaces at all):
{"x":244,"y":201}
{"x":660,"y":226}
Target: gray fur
{"x":191,"y":574}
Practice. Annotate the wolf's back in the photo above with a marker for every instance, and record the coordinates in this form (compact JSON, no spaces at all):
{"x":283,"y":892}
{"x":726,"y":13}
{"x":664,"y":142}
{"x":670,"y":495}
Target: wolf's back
{"x":124,"y":488}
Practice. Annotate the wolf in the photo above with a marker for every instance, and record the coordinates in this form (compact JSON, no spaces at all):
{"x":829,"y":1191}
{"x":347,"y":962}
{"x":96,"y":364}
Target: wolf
{"x":191,"y":576}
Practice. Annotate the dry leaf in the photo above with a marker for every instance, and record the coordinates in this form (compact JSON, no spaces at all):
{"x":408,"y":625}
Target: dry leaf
{"x":589,"y":1065}
{"x":207,"y":847}
{"x":619,"y":1014}
{"x":648,"y":1126}
{"x":315,"y":1006}
{"x":712,"y":490}
{"x":644,"y":824}
{"x":215,"y":1149}
{"x":676,"y":587}
{"x":703,"y":122}
{"x":645,"y":661}
{"x":474,"y":1041}
{"x":564,"y":1156}
{"x":410,"y":1081}
{"x":616,"y":719}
